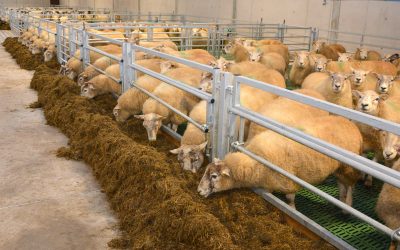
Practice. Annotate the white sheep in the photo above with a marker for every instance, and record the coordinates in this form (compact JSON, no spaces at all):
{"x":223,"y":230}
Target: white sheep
{"x":193,"y":142}
{"x":238,"y":170}
{"x":388,"y":84}
{"x":287,"y":111}
{"x":301,"y":68}
{"x":154,"y":112}
{"x":372,"y":103}
{"x":345,"y":57}
{"x":388,"y":204}
{"x":100,"y":85}
{"x":131,"y":102}
{"x":272,"y":60}
{"x":318,"y":62}
{"x":368,"y":55}
{"x":335,"y":87}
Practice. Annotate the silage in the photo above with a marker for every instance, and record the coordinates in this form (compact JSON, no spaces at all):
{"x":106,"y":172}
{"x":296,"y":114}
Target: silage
{"x":156,"y":202}
{"x":4,"y":25}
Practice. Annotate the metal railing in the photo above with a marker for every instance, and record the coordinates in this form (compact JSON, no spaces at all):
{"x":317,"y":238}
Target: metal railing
{"x":224,"y":108}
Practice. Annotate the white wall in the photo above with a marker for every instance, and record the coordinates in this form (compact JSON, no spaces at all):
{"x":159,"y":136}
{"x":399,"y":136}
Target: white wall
{"x":24,"y":3}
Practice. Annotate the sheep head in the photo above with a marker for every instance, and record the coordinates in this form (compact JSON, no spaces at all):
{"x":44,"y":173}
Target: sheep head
{"x":36,"y":49}
{"x":368,"y":101}
{"x":358,"y":76}
{"x":70,"y":73}
{"x":165,"y":66}
{"x":344,"y":57}
{"x":320,"y":63}
{"x":384,"y":83}
{"x":120,"y":115}
{"x":363,"y":53}
{"x":255,"y":55}
{"x":206,"y":82}
{"x":390,"y":144}
{"x":317,"y":46}
{"x":88,"y":90}
{"x":82,"y":78}
{"x":338,"y":81}
{"x":191,"y":157}
{"x":216,"y":178}
{"x":152,"y":123}
{"x":48,"y":55}
{"x":301,"y":59}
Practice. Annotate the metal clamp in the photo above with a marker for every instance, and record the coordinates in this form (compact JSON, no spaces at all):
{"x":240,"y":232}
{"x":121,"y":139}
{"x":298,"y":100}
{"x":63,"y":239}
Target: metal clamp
{"x":396,"y":235}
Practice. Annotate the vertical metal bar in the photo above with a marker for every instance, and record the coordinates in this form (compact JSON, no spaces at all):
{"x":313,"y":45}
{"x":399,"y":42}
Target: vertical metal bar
{"x":224,"y":101}
{"x":126,"y":72}
{"x":85,"y":53}
{"x":58,"y":42}
{"x":212,"y":115}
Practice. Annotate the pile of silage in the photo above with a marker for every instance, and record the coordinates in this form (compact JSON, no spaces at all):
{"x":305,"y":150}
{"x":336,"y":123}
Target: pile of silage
{"x":155,"y":201}
{"x":24,"y":57}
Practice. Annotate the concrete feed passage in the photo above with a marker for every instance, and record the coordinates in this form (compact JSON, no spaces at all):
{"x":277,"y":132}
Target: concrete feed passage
{"x":45,"y":202}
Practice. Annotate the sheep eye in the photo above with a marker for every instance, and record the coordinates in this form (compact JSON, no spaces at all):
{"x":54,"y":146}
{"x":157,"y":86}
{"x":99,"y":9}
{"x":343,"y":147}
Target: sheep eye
{"x":214,"y":176}
{"x":377,"y":99}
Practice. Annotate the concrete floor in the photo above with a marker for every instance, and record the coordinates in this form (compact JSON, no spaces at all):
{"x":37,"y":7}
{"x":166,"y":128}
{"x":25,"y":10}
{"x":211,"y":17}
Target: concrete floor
{"x":45,"y":202}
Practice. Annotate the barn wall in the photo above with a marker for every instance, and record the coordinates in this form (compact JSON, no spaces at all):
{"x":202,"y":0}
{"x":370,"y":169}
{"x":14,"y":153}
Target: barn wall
{"x":24,"y":3}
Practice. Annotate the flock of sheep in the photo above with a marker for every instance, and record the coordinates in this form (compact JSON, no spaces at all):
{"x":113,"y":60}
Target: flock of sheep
{"x":364,"y":81}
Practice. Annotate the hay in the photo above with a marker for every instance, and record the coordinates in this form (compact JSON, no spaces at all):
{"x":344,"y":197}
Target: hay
{"x":155,"y":201}
{"x":24,"y":57}
{"x":4,"y":26}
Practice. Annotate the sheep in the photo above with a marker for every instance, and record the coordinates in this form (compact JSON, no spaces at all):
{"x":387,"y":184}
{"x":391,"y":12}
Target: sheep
{"x":238,"y":170}
{"x":74,"y":68}
{"x":102,"y":63}
{"x":197,"y":55}
{"x":388,"y":204}
{"x":329,"y":51}
{"x":287,"y":111}
{"x":100,"y":85}
{"x":301,"y":68}
{"x":193,"y":142}
{"x":256,"y":43}
{"x":372,"y":103}
{"x":153,"y":44}
{"x":318,"y":62}
{"x":335,"y":87}
{"x":362,"y":80}
{"x":238,"y":51}
{"x":345,"y":57}
{"x":364,"y":54}
{"x":390,"y":144}
{"x":131,"y":102}
{"x":277,"y":48}
{"x":50,"y":53}
{"x":272,"y":60}
{"x":379,"y":67}
{"x":387,"y":84}
{"x":154,"y":112}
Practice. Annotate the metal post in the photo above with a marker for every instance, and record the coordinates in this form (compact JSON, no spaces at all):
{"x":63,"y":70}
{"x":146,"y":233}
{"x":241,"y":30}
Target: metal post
{"x":212,"y":114}
{"x":126,"y":71}
{"x":85,"y":53}
{"x":150,"y":34}
{"x":224,"y":91}
{"x":59,"y":32}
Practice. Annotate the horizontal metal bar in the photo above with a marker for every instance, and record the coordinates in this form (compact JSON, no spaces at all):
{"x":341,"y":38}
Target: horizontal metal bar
{"x":99,"y":51}
{"x":105,"y":38}
{"x":320,"y":193}
{"x":171,"y":133}
{"x":104,"y":73}
{"x":359,"y":34}
{"x":356,"y":161}
{"x":304,"y":220}
{"x":192,"y":64}
{"x":199,"y":126}
{"x":180,"y":85}
{"x":330,"y":107}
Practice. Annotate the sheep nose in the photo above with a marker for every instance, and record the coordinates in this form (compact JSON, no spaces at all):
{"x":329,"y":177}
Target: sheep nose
{"x":358,"y":79}
{"x":388,"y":153}
{"x":364,"y":105}
{"x":337,"y":86}
{"x":319,"y":69}
{"x":383,"y":88}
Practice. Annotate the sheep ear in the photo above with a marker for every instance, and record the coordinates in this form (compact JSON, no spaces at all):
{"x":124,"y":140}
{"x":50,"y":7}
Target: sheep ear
{"x":203,"y":145}
{"x":357,"y":94}
{"x":139,"y":117}
{"x":397,"y":148}
{"x":159,"y":117}
{"x":175,"y":151}
{"x":226,"y":171}
{"x":91,"y":86}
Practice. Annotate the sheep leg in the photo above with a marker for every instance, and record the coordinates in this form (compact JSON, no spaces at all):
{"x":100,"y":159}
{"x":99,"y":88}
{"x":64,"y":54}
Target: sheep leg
{"x":174,"y":127}
{"x":368,"y":180}
{"x":349,"y":196}
{"x":342,"y":192}
{"x":290,"y":198}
